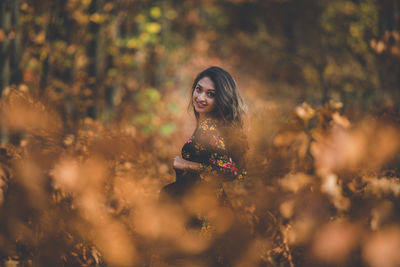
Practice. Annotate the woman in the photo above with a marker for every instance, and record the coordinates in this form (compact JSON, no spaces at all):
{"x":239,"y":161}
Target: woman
{"x":214,"y":153}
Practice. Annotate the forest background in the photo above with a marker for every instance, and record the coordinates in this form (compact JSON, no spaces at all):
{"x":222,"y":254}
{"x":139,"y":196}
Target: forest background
{"x":94,"y":97}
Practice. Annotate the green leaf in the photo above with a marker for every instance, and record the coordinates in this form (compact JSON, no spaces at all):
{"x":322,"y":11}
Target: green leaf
{"x":168,"y":128}
{"x":153,"y":95}
{"x":155,"y":12}
{"x":153,"y":27}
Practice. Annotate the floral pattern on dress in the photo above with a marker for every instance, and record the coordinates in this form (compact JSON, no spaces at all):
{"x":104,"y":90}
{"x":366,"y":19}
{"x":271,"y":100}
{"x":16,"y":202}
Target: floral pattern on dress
{"x":208,"y":147}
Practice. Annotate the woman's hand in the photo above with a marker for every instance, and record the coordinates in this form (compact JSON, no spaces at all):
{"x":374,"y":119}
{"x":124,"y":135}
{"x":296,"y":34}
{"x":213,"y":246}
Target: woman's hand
{"x":180,"y":164}
{"x":185,"y":165}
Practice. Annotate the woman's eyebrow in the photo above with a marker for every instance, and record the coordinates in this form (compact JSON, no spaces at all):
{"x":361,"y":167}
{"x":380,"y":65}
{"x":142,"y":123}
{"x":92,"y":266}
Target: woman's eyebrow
{"x":199,"y":85}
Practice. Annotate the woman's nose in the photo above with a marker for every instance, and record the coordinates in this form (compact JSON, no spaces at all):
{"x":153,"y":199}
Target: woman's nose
{"x":201,"y":96}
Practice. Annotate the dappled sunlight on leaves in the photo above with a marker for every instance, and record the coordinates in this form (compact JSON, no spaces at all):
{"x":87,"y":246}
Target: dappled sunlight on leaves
{"x":93,"y":109}
{"x":97,"y":188}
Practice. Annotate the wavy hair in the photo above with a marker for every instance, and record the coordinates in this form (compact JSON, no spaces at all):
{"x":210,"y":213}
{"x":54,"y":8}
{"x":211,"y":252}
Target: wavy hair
{"x":228,"y":109}
{"x":228,"y":103}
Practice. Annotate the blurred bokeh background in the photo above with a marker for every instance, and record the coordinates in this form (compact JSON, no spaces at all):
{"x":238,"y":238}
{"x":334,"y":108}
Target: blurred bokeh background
{"x":94,"y":97}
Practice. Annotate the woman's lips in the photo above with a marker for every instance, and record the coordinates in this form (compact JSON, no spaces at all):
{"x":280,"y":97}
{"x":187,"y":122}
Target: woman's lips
{"x":199,"y":105}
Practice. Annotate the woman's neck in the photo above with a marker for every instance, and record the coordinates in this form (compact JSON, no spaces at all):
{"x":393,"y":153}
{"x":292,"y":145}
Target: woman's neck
{"x":203,"y":116}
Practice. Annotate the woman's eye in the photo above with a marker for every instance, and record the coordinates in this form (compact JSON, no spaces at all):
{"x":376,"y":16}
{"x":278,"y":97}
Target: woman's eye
{"x":198,"y":89}
{"x":211,"y":94}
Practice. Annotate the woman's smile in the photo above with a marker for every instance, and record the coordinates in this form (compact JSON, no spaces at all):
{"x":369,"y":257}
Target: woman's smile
{"x":200,"y":105}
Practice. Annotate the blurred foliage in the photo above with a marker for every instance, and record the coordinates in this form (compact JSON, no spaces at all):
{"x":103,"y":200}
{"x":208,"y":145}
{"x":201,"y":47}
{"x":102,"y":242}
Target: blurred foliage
{"x":90,"y":56}
{"x":93,"y":109}
{"x":321,"y":190}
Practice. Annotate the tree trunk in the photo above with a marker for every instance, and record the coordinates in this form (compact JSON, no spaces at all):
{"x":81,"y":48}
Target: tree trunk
{"x":15,"y":45}
{"x":5,"y":25}
{"x":94,"y":66}
{"x":110,"y":90}
{"x":388,"y":64}
{"x":323,"y":85}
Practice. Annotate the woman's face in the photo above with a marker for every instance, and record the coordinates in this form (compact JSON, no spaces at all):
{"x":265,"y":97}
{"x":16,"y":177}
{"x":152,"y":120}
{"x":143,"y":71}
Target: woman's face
{"x":204,"y":96}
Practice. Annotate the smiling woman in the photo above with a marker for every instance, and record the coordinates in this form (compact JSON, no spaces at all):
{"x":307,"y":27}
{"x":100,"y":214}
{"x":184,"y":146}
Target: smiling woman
{"x":204,"y":96}
{"x":215,"y":151}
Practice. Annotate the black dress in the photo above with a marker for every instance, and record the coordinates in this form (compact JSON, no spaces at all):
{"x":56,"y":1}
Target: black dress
{"x":207,"y":147}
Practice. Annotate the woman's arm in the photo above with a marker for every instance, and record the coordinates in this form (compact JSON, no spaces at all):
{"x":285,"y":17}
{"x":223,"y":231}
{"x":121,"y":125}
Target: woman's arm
{"x":186,"y":165}
{"x":219,"y":160}
{"x":218,"y":163}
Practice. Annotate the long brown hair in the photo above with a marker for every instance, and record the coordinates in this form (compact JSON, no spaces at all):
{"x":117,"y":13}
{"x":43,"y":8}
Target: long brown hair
{"x":228,"y":103}
{"x":228,"y":110}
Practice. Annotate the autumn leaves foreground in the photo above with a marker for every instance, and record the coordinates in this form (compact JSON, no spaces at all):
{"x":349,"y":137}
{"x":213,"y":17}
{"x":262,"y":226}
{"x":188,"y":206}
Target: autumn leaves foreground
{"x":320,"y":191}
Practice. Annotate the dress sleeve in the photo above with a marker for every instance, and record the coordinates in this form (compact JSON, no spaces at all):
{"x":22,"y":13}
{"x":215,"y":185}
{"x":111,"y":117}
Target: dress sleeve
{"x":217,"y":159}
